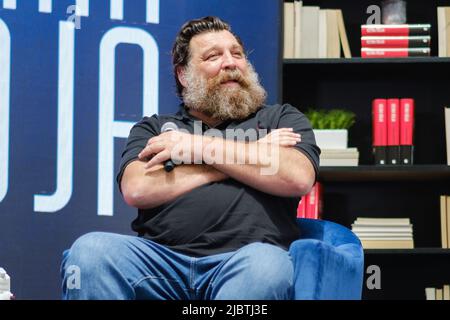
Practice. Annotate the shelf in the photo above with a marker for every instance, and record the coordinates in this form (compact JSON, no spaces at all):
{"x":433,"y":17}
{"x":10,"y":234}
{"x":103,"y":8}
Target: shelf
{"x":439,"y":251}
{"x":422,"y":60}
{"x":385,"y":173}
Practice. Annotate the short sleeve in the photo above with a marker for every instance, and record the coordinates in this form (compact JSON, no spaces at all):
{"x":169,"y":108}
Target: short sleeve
{"x":291,"y":117}
{"x":137,"y":140}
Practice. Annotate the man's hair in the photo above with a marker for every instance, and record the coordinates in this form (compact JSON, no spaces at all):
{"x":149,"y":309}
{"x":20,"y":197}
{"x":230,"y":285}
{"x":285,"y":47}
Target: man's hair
{"x":180,"y":51}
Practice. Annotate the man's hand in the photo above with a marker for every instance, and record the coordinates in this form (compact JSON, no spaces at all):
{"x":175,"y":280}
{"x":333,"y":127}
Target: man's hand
{"x":285,"y":137}
{"x":175,"y":145}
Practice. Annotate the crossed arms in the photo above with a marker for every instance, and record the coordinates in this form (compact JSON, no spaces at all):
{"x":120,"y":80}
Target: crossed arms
{"x":145,"y":184}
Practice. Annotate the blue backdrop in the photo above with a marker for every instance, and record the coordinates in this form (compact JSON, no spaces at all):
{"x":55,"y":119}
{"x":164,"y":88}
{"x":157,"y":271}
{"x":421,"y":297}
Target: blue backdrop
{"x":72,"y":82}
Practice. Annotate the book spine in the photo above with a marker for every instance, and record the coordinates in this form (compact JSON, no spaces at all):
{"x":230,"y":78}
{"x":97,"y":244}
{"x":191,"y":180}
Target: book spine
{"x":406,"y":131}
{"x":394,"y":52}
{"x":379,"y":131}
{"x":301,"y":209}
{"x":395,"y":42}
{"x":395,"y":30}
{"x":393,"y":131}
{"x":314,"y":203}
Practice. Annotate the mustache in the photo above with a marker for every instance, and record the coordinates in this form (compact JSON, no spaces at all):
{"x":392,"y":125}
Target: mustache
{"x":231,"y":75}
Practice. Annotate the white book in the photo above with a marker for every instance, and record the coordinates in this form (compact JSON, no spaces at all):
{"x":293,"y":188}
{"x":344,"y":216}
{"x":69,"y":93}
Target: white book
{"x":338,"y":162}
{"x":288,"y":45}
{"x":309,"y":38}
{"x":383,"y":221}
{"x":297,"y":28}
{"x":430,"y":293}
{"x":322,"y":51}
{"x":339,"y":156}
{"x":364,"y":238}
{"x":442,"y":32}
{"x":382,"y":227}
{"x":383,"y":234}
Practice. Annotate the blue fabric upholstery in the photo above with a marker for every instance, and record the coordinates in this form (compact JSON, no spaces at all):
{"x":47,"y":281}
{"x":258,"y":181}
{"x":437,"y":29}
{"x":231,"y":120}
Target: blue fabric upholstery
{"x":328,"y":262}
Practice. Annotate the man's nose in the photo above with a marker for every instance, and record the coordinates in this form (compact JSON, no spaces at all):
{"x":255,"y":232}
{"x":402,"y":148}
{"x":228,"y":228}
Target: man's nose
{"x":228,"y":61}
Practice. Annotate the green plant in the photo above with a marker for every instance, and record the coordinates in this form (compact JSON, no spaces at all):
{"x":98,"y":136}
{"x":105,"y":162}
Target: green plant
{"x":331,"y":119}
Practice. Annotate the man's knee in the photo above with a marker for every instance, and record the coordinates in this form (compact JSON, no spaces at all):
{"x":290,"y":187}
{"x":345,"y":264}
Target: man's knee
{"x":90,"y":250}
{"x":268,"y":264}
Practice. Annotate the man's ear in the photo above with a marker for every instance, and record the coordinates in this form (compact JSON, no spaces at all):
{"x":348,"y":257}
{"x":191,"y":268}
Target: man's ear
{"x":181,"y":71}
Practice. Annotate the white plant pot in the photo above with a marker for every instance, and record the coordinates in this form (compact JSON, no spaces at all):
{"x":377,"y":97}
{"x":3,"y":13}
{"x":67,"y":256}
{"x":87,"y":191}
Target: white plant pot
{"x":331,"y":138}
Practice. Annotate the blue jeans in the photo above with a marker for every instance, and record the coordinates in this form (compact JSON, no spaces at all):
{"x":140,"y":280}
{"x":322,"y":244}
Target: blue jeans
{"x":113,"y":266}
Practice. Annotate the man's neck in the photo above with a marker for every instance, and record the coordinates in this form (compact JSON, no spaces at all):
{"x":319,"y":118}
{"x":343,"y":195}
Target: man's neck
{"x":211,"y":122}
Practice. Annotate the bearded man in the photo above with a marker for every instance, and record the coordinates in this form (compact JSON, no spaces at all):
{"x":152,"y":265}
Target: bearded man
{"x":214,"y":227}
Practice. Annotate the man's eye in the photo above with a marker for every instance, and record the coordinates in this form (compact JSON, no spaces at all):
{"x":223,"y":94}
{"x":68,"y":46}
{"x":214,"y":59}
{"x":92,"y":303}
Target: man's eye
{"x":238,"y":54}
{"x":212,"y":56}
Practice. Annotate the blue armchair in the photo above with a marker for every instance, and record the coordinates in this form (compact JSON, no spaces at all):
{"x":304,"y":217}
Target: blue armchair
{"x":328,"y":262}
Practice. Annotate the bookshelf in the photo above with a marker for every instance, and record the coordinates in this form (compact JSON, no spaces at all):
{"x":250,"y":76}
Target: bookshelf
{"x":381,"y":191}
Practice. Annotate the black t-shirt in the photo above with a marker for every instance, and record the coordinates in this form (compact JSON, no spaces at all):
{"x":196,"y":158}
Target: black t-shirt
{"x":221,"y":216}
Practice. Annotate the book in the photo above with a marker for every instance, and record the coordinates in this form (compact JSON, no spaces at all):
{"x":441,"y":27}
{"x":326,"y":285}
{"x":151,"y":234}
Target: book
{"x":393,"y":131}
{"x":395,"y":29}
{"x":309,"y":37}
{"x":439,"y":295}
{"x":379,"y":131}
{"x":443,"y":16}
{"x":301,"y":207}
{"x":407,"y":229}
{"x":314,"y":203}
{"x":383,"y":221}
{"x":339,"y":157}
{"x":343,"y":34}
{"x":394,"y":52}
{"x":395,"y":42}
{"x":442,"y":32}
{"x":447,"y":216}
{"x":288,"y":31}
{"x":297,"y":28}
{"x":446,"y":292}
{"x":430,"y":293}
{"x":406,"y":131}
{"x":333,"y":38}
{"x":339,"y":162}
{"x":447,"y":133}
{"x":387,"y":244}
{"x":323,"y":43}
{"x":444,"y":217}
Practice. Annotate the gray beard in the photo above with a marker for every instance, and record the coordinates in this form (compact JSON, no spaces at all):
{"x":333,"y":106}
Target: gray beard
{"x":221,"y":102}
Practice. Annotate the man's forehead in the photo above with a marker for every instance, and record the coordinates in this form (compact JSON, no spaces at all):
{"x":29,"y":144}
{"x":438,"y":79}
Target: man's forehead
{"x":207,"y":40}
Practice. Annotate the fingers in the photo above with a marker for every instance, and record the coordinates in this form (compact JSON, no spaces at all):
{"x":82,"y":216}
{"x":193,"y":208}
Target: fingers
{"x":150,"y":150}
{"x":282,"y":136}
{"x":159,"y":158}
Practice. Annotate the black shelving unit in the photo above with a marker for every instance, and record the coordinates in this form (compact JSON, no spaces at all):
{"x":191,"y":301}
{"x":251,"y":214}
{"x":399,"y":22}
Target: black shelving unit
{"x":385,"y":191}
{"x":385,"y":173}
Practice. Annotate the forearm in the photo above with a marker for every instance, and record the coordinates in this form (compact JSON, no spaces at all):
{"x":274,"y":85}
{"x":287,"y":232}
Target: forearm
{"x":149,"y":188}
{"x":276,"y":170}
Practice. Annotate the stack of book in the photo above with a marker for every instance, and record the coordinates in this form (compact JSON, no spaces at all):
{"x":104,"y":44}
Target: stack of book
{"x":339,"y":157}
{"x":384,"y":233}
{"x":312,"y":32}
{"x":393,"y":131}
{"x":438,"y":293}
{"x":395,"y":40}
{"x":310,"y":205}
{"x":445,"y":221}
